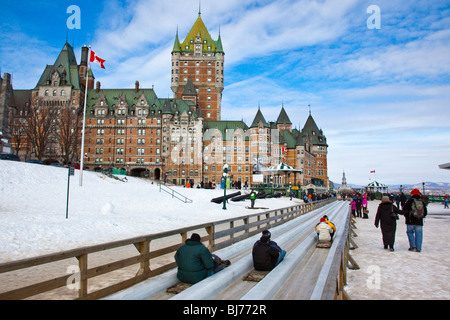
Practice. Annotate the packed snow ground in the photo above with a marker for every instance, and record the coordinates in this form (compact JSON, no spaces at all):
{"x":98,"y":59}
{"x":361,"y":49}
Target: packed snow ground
{"x":33,"y":222}
{"x":402,"y":274}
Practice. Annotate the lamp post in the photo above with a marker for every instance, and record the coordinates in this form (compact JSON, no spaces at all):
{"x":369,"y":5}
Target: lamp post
{"x":225,"y":175}
{"x":423,"y":187}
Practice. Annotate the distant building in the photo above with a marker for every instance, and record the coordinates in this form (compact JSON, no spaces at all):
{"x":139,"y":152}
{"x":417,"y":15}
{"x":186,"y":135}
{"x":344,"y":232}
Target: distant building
{"x":54,"y":107}
{"x":198,"y":70}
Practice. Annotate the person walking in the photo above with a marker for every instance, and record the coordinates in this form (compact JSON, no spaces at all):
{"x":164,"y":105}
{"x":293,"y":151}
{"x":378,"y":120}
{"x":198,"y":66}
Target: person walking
{"x":365,"y":207}
{"x":446,"y":199}
{"x":387,"y":217}
{"x":414,"y":211}
{"x":358,"y":202}
{"x":353,"y":205}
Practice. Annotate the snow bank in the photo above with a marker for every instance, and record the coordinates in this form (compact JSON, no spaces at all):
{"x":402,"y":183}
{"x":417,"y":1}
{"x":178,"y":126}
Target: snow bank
{"x":33,"y":209}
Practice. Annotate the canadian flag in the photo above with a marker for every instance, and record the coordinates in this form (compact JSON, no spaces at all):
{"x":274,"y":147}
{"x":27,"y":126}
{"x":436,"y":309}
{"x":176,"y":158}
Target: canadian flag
{"x":97,"y":59}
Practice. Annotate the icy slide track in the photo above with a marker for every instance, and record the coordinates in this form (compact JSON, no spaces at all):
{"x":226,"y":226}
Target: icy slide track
{"x":297,"y":237}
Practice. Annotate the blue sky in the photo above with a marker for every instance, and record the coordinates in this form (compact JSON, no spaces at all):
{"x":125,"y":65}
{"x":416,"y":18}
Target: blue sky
{"x":381,"y":96}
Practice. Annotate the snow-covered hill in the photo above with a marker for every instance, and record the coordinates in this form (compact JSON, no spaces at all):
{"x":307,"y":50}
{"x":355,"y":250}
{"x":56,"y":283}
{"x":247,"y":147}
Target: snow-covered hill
{"x":33,"y":209}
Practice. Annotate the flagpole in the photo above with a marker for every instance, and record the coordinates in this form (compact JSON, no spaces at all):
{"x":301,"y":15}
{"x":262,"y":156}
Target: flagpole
{"x":84,"y":116}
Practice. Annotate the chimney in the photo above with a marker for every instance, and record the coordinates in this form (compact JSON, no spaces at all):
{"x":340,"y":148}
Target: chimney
{"x":97,"y":89}
{"x":136,"y":88}
{"x":84,"y":56}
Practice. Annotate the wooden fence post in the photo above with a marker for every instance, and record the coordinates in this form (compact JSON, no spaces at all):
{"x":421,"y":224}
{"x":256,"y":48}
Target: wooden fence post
{"x":210,"y":231}
{"x":83,"y":265}
{"x":144,"y":250}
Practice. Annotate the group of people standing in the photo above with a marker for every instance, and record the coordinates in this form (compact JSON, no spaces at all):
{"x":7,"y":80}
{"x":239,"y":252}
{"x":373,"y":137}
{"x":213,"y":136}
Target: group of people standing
{"x":414,"y":210}
{"x":358,"y":204}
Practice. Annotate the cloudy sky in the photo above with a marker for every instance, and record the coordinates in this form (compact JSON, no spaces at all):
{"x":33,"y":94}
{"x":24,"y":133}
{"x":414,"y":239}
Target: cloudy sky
{"x":378,"y":82}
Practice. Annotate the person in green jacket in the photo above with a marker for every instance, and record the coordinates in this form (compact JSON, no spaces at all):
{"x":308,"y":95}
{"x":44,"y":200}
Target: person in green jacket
{"x":194,"y":261}
{"x":252,"y":198}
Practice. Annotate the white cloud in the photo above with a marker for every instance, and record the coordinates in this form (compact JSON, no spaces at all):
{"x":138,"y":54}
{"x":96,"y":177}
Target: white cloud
{"x":24,"y":57}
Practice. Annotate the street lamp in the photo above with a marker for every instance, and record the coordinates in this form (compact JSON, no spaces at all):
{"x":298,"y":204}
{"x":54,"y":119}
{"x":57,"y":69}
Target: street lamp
{"x":225,"y":175}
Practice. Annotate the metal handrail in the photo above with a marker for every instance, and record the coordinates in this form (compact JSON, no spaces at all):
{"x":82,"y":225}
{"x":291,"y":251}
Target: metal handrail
{"x":174,"y":193}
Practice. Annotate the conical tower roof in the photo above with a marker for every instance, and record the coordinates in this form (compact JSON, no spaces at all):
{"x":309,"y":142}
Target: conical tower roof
{"x":283,"y":117}
{"x":199,"y":29}
{"x":259,"y":118}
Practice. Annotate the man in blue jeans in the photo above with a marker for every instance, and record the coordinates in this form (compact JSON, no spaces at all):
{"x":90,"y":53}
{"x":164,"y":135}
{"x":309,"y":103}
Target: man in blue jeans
{"x":414,"y":221}
{"x":266,"y":253}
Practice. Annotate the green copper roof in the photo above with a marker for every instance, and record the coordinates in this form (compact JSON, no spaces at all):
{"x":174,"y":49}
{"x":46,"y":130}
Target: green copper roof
{"x":288,"y":138}
{"x":313,"y":131}
{"x":112,"y":99}
{"x":66,"y":66}
{"x":189,"y":90}
{"x":198,"y":29}
{"x":259,"y":118}
{"x":283,"y":117}
{"x":176,"y":45}
{"x":219,"y":47}
{"x":226,"y":128}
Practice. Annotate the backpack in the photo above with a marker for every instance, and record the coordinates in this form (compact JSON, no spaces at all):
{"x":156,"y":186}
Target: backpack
{"x":417,"y":209}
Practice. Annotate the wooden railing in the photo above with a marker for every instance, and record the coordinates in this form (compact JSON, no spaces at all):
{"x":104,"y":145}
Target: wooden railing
{"x":119,"y":261}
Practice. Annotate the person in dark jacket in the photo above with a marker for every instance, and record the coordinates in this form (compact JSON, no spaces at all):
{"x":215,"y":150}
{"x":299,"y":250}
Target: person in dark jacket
{"x":194,"y":261}
{"x":266,"y":253}
{"x":414,"y":225}
{"x":388,"y":223}
{"x":402,"y":199}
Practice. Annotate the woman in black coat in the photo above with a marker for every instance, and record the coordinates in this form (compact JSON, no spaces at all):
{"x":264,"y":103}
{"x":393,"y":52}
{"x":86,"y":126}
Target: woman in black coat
{"x":388,"y":223}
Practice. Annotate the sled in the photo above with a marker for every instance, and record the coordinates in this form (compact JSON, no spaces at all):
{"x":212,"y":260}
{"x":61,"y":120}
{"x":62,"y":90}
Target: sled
{"x":255,"y":275}
{"x":179,"y":287}
{"x":228,"y":196}
{"x":241,"y":198}
{"x":323,"y":244}
{"x":256,"y":208}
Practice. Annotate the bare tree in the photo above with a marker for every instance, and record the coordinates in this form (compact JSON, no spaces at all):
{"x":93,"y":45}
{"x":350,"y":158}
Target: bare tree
{"x":18,"y":123}
{"x":40,"y":125}
{"x":68,"y":129}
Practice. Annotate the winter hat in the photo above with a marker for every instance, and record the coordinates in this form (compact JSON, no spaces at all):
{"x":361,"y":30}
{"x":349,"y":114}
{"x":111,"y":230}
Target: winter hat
{"x":415,"y":192}
{"x":322,"y":220}
{"x":195,"y":237}
{"x":266,"y":233}
{"x":385,"y":199}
